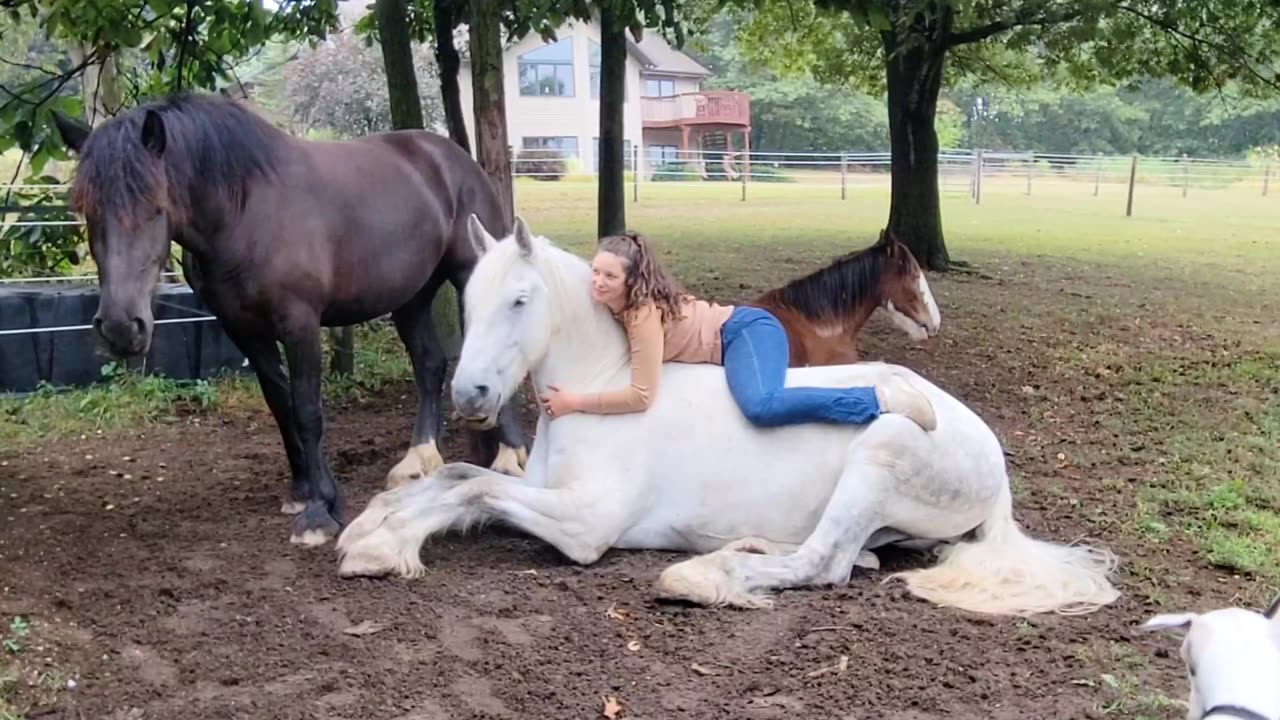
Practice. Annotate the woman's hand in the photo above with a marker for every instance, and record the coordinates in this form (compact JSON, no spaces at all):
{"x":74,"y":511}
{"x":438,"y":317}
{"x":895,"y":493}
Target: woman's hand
{"x":558,"y":402}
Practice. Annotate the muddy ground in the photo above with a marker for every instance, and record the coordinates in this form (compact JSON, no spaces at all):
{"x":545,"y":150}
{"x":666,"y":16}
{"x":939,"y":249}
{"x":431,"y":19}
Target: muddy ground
{"x":158,"y":579}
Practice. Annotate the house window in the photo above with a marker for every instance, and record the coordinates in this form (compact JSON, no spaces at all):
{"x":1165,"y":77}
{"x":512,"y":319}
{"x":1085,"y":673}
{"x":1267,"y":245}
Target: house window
{"x":662,"y":154}
{"x":593,"y":58}
{"x":548,"y":71}
{"x":593,"y":53}
{"x":659,"y":87}
{"x":565,"y":147}
{"x":626,"y":154}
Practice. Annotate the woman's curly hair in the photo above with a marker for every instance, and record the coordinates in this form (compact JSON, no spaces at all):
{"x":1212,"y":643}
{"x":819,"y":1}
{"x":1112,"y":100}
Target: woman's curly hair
{"x":647,"y":278}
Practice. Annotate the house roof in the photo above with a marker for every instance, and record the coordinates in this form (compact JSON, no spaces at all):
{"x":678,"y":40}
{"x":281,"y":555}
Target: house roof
{"x":657,"y":55}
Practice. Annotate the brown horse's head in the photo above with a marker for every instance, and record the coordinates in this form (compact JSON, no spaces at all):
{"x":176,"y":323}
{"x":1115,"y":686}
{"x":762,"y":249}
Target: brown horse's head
{"x":120,"y":190}
{"x":906,"y":296}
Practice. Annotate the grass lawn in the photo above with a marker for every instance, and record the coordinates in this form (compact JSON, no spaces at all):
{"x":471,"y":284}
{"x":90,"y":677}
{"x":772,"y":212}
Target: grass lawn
{"x":1131,"y":365}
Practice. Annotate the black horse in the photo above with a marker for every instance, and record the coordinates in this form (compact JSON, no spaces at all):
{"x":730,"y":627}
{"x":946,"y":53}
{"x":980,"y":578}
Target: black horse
{"x":280,"y":237}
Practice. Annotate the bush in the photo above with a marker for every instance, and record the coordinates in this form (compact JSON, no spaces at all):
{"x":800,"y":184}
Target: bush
{"x":546,"y":165}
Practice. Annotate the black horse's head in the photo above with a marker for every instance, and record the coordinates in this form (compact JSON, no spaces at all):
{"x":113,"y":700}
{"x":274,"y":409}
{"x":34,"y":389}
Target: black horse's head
{"x":121,"y":191}
{"x":171,"y":169}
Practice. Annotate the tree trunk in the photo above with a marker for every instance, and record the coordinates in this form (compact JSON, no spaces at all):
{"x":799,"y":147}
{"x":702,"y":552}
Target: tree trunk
{"x":612,"y":192}
{"x":406,"y":114}
{"x":99,"y":85}
{"x":914,"y":77}
{"x":446,"y":15}
{"x":397,"y":60}
{"x":489,"y":106}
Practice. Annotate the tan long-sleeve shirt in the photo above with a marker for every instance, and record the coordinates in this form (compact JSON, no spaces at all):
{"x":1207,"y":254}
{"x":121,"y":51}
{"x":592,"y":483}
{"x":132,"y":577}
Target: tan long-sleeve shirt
{"x":694,"y":337}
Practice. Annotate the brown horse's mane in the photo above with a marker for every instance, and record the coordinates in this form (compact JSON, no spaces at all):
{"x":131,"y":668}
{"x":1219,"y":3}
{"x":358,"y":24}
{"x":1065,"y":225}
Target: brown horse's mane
{"x":830,"y":293}
{"x":214,"y":147}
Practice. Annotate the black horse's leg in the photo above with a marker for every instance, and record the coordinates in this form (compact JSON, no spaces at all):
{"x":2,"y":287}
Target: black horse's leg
{"x":512,"y":451}
{"x":264,"y":357}
{"x":322,"y":517}
{"x":417,"y":331}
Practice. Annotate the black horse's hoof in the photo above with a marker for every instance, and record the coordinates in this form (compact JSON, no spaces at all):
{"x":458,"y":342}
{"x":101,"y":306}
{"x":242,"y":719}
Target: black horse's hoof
{"x":314,"y":526}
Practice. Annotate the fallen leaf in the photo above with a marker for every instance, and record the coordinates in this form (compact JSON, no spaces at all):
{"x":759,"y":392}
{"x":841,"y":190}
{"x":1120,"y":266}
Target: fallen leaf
{"x":701,"y":670}
{"x":612,"y":708}
{"x":368,"y":627}
{"x":615,"y":614}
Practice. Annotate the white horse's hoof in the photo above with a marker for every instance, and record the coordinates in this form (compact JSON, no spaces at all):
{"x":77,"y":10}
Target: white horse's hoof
{"x":707,"y":580}
{"x":420,"y":461}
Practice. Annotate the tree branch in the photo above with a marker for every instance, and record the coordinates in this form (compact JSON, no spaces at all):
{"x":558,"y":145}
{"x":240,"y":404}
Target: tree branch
{"x":1176,"y":32}
{"x":982,"y":32}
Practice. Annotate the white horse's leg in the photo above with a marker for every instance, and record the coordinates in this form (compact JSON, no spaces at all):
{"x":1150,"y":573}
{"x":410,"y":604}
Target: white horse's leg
{"x":877,"y":462}
{"x":387,"y":536}
{"x":400,"y":521}
{"x":575,"y":525}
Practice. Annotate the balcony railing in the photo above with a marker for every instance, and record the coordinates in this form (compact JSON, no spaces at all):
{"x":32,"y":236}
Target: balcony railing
{"x":710,"y":107}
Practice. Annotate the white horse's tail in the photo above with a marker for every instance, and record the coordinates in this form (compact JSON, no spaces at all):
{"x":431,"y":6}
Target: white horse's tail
{"x":1005,"y":572}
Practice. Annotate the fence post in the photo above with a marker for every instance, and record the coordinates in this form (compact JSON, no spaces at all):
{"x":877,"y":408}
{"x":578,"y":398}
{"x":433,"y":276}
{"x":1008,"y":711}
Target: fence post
{"x":844,"y":176}
{"x":1185,"y":176}
{"x":343,"y":359}
{"x":1097,"y":176}
{"x":743,"y":175}
{"x":1266,"y":178}
{"x":1031,"y":168}
{"x":977,"y":180}
{"x":635,"y":173}
{"x":1133,"y":176}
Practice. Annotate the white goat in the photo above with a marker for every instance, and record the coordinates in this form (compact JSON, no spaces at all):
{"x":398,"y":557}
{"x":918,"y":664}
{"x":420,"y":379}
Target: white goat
{"x":1233,"y":661}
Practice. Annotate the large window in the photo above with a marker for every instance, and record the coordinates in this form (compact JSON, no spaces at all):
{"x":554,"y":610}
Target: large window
{"x":626,"y":154}
{"x":566,"y":146}
{"x":593,"y":53}
{"x":659,"y":87}
{"x":548,"y":71}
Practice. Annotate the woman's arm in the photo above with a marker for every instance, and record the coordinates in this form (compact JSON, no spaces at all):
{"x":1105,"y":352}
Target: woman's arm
{"x":644,"y":332}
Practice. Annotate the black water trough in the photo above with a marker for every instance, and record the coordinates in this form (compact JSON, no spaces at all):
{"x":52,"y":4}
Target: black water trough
{"x":74,"y":358}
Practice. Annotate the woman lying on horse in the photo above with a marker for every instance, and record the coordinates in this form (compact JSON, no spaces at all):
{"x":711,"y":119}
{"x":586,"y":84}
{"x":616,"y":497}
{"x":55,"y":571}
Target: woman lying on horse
{"x":666,"y":324}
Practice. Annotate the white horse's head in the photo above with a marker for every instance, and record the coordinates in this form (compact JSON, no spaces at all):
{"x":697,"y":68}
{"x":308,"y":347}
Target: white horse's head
{"x":1232,"y":657}
{"x":521,"y":292}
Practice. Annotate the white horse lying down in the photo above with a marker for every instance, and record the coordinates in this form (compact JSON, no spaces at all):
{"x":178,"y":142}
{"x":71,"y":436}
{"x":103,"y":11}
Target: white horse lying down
{"x":775,"y":508}
{"x":1232,"y":657}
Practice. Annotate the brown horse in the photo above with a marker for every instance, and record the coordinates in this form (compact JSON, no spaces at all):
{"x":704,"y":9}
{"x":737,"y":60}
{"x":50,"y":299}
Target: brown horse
{"x":823,"y":311}
{"x":280,"y":237}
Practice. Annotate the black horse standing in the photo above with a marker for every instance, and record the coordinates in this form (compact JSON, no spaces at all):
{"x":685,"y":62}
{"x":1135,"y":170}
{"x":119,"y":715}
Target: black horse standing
{"x":282,"y":236}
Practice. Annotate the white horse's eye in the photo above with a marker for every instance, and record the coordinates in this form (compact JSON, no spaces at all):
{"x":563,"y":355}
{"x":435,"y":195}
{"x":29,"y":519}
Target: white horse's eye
{"x":520,"y":301}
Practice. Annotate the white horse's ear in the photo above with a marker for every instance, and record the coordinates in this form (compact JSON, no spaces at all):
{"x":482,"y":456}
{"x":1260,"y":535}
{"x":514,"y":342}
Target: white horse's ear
{"x":1174,"y":623}
{"x":480,"y":238}
{"x":524,"y":238}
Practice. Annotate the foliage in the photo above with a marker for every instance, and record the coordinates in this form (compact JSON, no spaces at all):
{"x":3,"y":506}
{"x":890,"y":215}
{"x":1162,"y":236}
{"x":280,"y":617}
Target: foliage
{"x":544,"y":165}
{"x":36,"y":250}
{"x":340,"y":85}
{"x":157,"y":45}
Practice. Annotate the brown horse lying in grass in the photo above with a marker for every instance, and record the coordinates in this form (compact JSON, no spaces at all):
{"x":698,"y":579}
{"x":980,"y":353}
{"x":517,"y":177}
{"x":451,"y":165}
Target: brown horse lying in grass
{"x":824,"y":310}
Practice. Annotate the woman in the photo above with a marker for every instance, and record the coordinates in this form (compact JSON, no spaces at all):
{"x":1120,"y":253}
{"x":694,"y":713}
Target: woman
{"x":665,"y":324}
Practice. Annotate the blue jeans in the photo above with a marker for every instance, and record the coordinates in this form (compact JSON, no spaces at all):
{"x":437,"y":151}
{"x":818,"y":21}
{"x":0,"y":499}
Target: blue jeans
{"x":756,"y":356}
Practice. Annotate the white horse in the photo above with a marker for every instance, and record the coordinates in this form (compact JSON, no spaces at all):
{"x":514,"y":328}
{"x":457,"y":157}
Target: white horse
{"x":1232,"y":659}
{"x":775,"y":508}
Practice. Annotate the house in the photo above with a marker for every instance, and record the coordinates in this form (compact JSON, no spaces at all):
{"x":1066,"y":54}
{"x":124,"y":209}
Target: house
{"x":553,"y":100}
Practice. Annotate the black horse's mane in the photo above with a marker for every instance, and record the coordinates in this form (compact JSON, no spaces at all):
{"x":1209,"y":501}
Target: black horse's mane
{"x":212,"y":148}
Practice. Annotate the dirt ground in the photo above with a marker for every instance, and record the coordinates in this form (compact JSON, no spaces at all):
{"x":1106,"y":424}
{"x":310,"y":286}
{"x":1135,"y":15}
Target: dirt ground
{"x":157,"y":575}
